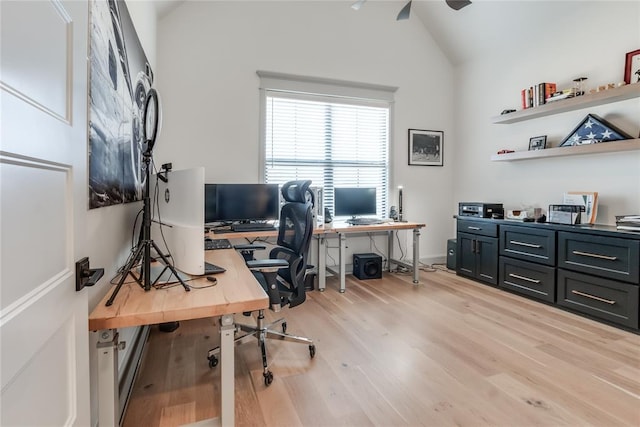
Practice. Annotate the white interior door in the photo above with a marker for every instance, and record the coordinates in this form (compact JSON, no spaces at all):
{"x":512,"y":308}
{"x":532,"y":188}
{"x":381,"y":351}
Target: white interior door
{"x":43,"y":320}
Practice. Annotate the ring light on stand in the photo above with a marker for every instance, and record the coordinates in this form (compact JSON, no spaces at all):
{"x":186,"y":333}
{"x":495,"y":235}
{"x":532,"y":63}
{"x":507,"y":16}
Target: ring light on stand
{"x":152,"y":120}
{"x":142,"y":255}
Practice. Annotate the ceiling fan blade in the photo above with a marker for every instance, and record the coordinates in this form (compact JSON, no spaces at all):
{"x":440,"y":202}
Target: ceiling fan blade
{"x":458,"y":4}
{"x":405,"y":12}
{"x":357,"y":5}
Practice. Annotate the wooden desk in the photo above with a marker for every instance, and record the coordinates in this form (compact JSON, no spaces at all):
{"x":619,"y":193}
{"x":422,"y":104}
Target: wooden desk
{"x":236,"y":291}
{"x":342,"y":229}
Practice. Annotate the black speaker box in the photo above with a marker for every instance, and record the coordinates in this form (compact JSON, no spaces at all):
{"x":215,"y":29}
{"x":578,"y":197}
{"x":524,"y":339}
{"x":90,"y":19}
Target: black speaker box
{"x":367,"y":266}
{"x":451,"y":254}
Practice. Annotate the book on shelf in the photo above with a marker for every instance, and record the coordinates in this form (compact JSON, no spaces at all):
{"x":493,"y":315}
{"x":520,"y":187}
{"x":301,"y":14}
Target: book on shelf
{"x":536,"y":95}
{"x":628,"y":218}
{"x":628,"y":227}
{"x":628,"y":222}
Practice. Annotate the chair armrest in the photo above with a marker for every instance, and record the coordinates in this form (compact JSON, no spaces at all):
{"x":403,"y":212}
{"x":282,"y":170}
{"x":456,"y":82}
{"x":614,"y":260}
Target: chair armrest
{"x":269,"y":270}
{"x":267,"y":264}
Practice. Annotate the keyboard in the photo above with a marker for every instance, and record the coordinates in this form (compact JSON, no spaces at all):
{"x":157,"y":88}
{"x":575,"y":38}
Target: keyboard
{"x":212,"y":268}
{"x":252,"y":226}
{"x":364,"y":221}
{"x":210,"y":244}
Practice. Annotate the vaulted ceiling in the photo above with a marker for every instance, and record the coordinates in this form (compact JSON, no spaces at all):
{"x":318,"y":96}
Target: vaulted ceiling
{"x":481,"y":27}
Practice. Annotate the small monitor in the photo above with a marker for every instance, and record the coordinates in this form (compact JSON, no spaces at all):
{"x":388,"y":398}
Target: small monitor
{"x":210,"y":203}
{"x":354,"y":201}
{"x":241,"y":202}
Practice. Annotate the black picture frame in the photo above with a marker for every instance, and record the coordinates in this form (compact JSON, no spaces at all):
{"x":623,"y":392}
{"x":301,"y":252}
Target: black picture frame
{"x":426,"y":147}
{"x":538,"y":143}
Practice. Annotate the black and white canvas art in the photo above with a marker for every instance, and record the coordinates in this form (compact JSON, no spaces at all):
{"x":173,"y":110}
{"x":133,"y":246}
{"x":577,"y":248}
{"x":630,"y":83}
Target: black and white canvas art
{"x":120,"y":78}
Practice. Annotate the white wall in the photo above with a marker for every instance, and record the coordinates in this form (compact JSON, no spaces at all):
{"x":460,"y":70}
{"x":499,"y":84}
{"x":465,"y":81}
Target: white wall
{"x":592,"y":44}
{"x":208,"y":54}
{"x":109,"y":229}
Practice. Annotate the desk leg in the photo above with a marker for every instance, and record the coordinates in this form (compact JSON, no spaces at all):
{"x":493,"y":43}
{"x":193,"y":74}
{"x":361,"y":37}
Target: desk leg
{"x":343,"y":243}
{"x":227,"y":386}
{"x":108,"y":396}
{"x":416,"y":254}
{"x":389,"y":248}
{"x":322,"y":263}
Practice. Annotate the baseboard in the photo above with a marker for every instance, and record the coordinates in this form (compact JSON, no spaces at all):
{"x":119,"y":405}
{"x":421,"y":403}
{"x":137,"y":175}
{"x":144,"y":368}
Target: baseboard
{"x":129,"y":371}
{"x":436,"y":259}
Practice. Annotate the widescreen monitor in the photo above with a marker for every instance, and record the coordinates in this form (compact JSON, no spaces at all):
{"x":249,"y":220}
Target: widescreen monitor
{"x":354,"y":201}
{"x":241,"y":202}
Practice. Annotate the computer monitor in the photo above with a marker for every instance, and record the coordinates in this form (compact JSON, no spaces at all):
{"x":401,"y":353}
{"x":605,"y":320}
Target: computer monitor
{"x":179,"y":218}
{"x":354,"y":201}
{"x":241,"y":202}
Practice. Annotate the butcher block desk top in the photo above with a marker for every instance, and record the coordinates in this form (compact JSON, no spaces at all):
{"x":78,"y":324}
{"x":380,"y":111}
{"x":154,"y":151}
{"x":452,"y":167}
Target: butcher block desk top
{"x":236,"y":291}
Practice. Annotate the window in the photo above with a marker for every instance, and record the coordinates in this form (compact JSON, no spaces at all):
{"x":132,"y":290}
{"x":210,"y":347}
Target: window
{"x":334,"y":140}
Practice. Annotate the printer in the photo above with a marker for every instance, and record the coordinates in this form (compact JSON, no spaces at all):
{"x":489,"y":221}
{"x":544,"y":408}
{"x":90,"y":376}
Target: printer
{"x":481,"y":210}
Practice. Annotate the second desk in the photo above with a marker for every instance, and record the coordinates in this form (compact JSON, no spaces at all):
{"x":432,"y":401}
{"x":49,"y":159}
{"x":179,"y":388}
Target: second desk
{"x":342,"y":229}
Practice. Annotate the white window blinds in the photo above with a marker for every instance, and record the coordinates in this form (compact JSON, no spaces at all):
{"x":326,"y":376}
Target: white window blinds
{"x":333,"y":141}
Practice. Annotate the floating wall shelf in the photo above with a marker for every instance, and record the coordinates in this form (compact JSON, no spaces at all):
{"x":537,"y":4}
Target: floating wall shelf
{"x":599,"y":98}
{"x":603,"y":147}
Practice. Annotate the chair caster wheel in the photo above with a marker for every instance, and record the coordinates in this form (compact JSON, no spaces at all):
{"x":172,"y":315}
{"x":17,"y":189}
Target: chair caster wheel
{"x":312,"y":351}
{"x":213,"y":362}
{"x":268,"y":378}
{"x":284,"y":327}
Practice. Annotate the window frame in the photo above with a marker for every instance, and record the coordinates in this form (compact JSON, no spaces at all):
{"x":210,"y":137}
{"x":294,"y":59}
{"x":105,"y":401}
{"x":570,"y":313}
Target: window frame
{"x":297,"y":87}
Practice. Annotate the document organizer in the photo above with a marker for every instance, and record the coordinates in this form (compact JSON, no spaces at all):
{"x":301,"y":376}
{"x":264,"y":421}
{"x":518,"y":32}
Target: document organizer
{"x":565,"y":214}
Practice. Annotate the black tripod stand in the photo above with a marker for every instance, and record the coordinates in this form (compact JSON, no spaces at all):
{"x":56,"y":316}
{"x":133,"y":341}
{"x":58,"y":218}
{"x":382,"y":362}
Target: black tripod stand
{"x":145,"y":243}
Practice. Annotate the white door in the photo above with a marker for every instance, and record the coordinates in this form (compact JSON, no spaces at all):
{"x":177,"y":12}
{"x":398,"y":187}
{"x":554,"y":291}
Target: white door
{"x":43,"y":200}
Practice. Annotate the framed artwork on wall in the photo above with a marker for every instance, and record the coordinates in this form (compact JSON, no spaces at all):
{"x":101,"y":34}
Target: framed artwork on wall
{"x":632,"y":67}
{"x":426,"y":147}
{"x":120,"y":78}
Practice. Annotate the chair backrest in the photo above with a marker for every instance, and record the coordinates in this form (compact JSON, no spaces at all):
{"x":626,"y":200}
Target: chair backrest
{"x":294,"y":236}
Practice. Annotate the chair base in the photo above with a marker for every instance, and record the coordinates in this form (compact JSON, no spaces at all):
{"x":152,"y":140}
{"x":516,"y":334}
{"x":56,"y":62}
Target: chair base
{"x":262,"y":332}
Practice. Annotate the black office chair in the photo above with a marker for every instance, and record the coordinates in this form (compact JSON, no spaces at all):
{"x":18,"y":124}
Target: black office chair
{"x":283,"y":274}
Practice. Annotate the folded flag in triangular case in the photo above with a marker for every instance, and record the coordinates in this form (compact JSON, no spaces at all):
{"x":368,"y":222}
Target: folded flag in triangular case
{"x":591,"y":130}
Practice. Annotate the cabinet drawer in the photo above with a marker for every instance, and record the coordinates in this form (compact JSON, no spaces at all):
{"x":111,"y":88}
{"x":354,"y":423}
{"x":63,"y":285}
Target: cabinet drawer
{"x":534,"y":280}
{"x":609,"y":257}
{"x":529,"y":244}
{"x":602,"y":298}
{"x":483,"y":228}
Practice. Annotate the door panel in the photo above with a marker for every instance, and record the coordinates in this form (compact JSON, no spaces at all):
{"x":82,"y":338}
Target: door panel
{"x":37,"y":67}
{"x":30,"y":224}
{"x":466,"y":257}
{"x":487,"y":251}
{"x":43,"y":196}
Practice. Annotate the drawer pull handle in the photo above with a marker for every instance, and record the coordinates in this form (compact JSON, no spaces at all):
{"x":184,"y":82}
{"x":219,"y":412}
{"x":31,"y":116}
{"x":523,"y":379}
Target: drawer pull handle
{"x":608,"y":258}
{"x":528,"y":279}
{"x":473,"y":228}
{"x":529,"y":245}
{"x":582,"y":294}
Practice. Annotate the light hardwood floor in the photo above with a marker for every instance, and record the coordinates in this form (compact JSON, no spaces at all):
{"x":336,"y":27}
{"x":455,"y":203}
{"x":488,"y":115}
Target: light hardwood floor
{"x":447,"y":352}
